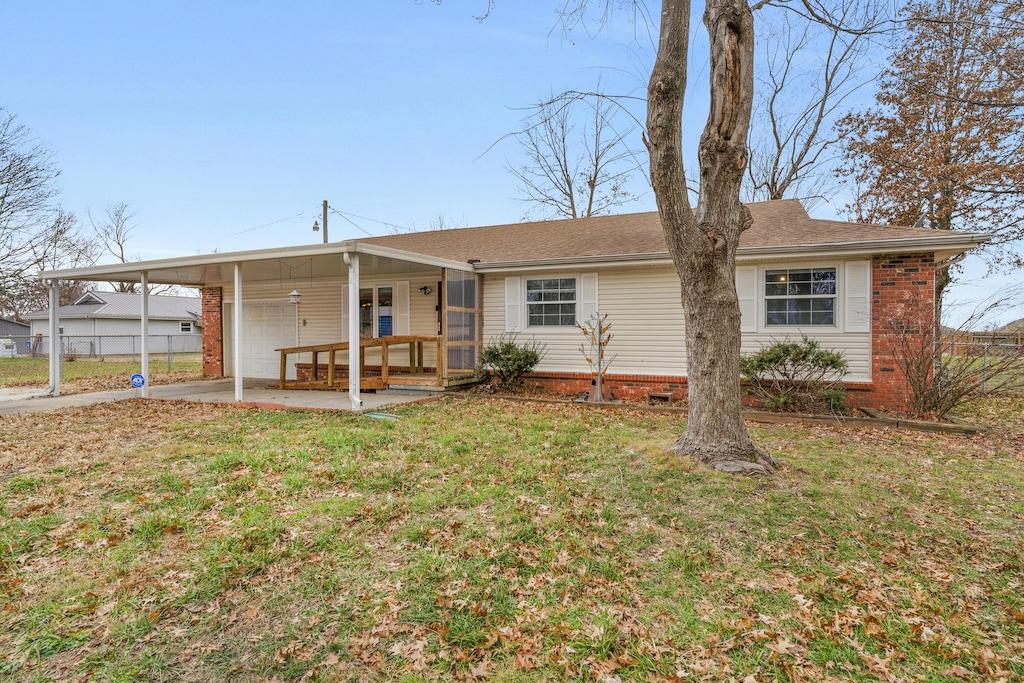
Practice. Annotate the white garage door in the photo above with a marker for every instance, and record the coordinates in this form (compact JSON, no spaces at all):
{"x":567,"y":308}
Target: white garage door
{"x":265,"y":327}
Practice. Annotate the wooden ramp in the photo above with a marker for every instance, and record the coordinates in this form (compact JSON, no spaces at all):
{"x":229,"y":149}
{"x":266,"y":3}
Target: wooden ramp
{"x":393,"y":371}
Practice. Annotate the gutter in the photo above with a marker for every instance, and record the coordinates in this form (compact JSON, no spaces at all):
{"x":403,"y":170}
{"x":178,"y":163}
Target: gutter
{"x":940,"y":243}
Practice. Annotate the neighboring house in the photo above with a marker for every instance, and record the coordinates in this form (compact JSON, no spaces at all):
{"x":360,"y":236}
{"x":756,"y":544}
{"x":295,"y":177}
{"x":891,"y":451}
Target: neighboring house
{"x":13,"y":338}
{"x":840,"y":283}
{"x":97,"y":316}
{"x":12,"y":328}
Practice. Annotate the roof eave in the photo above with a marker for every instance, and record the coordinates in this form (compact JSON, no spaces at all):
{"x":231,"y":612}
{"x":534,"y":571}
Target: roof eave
{"x":946,"y":244}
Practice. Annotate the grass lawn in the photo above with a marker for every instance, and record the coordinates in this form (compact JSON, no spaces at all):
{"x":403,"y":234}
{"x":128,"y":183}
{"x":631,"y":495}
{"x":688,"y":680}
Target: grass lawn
{"x":490,"y":540}
{"x":94,"y":374}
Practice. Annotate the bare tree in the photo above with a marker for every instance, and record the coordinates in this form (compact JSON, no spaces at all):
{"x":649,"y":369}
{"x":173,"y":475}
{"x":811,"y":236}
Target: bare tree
{"x":809,"y":72}
{"x":703,"y":240}
{"x":578,"y":163}
{"x":34,"y":230}
{"x":113,"y":233}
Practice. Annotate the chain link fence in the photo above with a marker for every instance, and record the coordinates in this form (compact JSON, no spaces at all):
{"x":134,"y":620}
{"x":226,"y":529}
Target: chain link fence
{"x":987,"y":359}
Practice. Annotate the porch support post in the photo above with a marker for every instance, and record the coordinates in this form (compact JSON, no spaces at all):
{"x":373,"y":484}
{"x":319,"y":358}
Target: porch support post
{"x":144,"y":285}
{"x":55,"y":346}
{"x":354,"y":366}
{"x":236,"y":336}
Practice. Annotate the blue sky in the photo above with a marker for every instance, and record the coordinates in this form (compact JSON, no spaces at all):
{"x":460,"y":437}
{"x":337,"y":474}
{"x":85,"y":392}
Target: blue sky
{"x":225,"y":125}
{"x":211,"y":119}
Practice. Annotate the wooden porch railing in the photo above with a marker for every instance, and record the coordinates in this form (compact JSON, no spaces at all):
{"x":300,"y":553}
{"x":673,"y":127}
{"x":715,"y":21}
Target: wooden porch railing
{"x":415,"y":343}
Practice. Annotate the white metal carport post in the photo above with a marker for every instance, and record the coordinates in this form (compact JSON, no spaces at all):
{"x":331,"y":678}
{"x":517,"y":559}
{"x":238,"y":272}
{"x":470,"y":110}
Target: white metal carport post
{"x":144,"y":284}
{"x":352,"y":260}
{"x":55,"y":349}
{"x":236,"y":341}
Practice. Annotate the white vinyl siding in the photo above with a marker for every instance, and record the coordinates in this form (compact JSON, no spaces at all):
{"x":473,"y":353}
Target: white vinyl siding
{"x":107,"y":326}
{"x":645,"y":311}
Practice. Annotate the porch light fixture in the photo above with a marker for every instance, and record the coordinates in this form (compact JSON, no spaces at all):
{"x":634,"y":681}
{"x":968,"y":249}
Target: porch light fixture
{"x":294,"y":296}
{"x":426,"y":290}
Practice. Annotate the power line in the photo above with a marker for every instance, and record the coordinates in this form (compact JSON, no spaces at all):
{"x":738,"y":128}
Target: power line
{"x":372,"y":220}
{"x":265,"y":225}
{"x":351,"y":222}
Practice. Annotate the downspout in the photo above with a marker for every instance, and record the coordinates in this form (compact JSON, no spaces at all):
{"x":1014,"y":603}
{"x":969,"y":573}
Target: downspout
{"x":352,"y":261}
{"x":55,"y":345}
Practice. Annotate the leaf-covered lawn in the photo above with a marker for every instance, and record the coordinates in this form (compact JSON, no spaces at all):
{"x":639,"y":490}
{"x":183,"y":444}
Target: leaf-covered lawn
{"x":490,"y":540}
{"x":98,"y":374}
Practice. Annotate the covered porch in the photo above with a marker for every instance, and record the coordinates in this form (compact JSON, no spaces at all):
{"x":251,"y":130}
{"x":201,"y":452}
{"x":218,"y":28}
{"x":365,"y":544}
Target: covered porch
{"x":288,"y":316}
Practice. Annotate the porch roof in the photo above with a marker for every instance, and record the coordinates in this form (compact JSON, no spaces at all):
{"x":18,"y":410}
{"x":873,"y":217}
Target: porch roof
{"x":316,"y":261}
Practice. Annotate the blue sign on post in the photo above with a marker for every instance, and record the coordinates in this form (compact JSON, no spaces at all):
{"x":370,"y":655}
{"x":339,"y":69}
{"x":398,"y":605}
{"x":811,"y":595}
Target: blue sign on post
{"x":138,"y":380}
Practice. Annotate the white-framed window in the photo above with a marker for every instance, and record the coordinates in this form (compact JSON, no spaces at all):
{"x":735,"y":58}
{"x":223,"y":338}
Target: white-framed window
{"x":551,"y":302}
{"x":797,"y":297}
{"x":185,"y":327}
{"x":376,"y":311}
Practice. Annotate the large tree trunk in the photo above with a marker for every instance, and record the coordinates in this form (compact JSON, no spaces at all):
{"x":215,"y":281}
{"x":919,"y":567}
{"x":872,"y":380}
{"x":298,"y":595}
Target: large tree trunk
{"x":703,"y":244}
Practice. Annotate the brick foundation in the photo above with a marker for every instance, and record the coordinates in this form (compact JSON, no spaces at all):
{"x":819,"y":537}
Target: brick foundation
{"x":213,"y":332}
{"x":622,"y":386}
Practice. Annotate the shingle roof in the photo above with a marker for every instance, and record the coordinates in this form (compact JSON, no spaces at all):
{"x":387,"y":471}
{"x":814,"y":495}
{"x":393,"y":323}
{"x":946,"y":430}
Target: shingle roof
{"x":781,"y":223}
{"x":121,"y":305}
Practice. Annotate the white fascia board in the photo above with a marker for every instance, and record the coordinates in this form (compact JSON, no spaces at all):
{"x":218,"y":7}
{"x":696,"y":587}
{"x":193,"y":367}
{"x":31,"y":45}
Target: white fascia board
{"x":564,"y":263}
{"x":410,"y":257}
{"x":132,"y":271}
{"x":945,"y":244}
{"x":949,"y":243}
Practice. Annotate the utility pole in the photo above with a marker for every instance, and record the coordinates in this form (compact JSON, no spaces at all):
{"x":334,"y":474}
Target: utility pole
{"x":325,"y":221}
{"x":316,"y":226}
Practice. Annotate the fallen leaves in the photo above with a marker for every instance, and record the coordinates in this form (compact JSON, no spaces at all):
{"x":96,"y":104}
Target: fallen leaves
{"x":473,"y":541}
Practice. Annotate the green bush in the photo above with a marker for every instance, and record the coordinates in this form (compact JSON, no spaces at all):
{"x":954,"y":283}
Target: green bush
{"x":507,"y":360}
{"x":796,"y":377}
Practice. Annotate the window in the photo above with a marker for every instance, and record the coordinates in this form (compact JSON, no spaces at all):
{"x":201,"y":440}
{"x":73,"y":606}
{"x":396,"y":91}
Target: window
{"x":186,"y":327}
{"x":376,"y":312}
{"x":800,"y":296}
{"x":551,"y":301}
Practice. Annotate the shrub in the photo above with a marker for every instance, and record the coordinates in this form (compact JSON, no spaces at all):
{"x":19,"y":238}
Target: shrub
{"x":943,"y":374}
{"x":797,"y":377}
{"x":508,"y":360}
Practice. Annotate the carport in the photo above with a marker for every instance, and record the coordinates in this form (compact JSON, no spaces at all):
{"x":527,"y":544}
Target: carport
{"x":257,"y":302}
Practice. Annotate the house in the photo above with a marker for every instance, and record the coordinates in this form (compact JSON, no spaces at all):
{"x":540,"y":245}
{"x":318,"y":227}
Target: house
{"x":439,"y":295}
{"x":101,"y":323}
{"x":13,"y":328}
{"x":13,"y":338}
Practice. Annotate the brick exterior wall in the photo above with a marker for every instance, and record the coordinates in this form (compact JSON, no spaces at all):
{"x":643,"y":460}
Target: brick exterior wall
{"x":902,"y":294}
{"x":213,"y":332}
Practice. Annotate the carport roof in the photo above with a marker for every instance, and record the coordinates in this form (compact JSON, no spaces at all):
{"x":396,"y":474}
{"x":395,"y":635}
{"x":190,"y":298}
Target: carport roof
{"x":314,"y":261}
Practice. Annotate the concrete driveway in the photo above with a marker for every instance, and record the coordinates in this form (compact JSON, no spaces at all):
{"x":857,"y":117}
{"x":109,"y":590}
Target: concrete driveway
{"x":258,"y":392}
